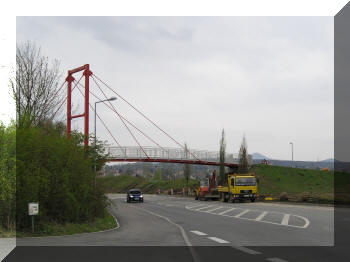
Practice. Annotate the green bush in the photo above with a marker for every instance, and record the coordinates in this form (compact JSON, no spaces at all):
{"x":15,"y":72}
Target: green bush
{"x":284,"y":196}
{"x":7,"y":176}
{"x":58,"y":174}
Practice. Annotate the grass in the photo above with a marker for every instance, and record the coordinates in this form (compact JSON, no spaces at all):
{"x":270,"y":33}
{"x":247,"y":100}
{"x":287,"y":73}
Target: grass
{"x":299,"y":184}
{"x":100,"y":224}
{"x":121,"y":184}
{"x":6,"y":233}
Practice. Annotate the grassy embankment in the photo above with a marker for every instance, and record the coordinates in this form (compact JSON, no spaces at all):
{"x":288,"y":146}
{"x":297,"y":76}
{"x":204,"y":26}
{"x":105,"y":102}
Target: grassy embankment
{"x":294,"y":183}
{"x":121,"y":184}
{"x":99,"y":224}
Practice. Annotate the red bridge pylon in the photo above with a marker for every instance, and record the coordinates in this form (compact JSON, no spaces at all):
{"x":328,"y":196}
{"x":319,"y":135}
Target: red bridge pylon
{"x":87,"y":73}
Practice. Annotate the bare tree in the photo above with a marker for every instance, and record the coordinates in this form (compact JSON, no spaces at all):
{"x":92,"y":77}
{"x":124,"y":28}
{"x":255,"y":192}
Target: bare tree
{"x":222,"y":153}
{"x":36,"y":86}
{"x":243,"y":157}
{"x":187,"y":169}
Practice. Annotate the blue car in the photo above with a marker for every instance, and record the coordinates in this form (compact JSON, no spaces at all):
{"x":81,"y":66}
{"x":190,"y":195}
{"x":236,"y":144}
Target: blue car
{"x":134,"y":195}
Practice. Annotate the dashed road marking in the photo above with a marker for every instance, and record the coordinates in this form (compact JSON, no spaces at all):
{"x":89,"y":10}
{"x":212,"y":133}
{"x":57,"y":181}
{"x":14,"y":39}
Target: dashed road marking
{"x":196,"y":206}
{"x":261,"y":216}
{"x":211,"y":210}
{"x":285,"y":219}
{"x":199,"y":233}
{"x":242,"y":213}
{"x":247,"y":250}
{"x":219,"y":240}
{"x":276,"y":259}
{"x":226,"y":211}
{"x":202,"y":208}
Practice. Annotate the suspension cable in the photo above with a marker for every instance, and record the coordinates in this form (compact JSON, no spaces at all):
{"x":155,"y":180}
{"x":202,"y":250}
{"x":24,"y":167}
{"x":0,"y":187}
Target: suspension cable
{"x":104,"y":124}
{"x":122,"y":120}
{"x":129,"y":122}
{"x":93,"y":76}
{"x":64,"y":99}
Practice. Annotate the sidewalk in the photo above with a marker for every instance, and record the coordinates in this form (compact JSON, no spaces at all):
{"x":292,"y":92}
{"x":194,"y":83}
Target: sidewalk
{"x":6,"y":246}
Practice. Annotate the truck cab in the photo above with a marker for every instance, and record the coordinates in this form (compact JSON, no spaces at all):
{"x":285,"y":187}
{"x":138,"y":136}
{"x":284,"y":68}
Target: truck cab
{"x":239,"y":187}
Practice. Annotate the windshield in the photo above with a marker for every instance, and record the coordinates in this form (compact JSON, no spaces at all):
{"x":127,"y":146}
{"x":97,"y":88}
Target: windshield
{"x":245,"y":181}
{"x":135,"y":192}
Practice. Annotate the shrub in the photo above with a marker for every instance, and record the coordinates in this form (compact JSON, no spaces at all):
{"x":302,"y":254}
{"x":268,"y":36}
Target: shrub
{"x":58,"y":174}
{"x":305,"y":196}
{"x":284,"y":196}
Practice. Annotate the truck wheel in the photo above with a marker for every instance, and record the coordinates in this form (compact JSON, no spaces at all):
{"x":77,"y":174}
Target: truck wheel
{"x":252,"y":200}
{"x":225,"y":197}
{"x":222,"y":197}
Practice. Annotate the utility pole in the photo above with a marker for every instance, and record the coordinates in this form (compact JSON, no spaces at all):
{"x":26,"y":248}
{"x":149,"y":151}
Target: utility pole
{"x":109,"y":99}
{"x":291,"y":143}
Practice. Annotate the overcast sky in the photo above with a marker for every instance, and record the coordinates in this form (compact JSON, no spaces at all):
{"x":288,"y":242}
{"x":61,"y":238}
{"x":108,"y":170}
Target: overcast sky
{"x":270,"y":78}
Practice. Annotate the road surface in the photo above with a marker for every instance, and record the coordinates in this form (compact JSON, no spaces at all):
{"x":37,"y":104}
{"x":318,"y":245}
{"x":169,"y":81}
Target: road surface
{"x":248,"y":231}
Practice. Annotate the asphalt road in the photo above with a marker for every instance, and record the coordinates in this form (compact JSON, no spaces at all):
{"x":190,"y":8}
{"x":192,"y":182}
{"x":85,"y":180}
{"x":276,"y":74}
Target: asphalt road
{"x":248,"y":231}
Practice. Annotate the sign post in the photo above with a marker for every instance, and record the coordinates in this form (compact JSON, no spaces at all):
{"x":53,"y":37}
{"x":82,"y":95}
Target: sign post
{"x":33,"y":210}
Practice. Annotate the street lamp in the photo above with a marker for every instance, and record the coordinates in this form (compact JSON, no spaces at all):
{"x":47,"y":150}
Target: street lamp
{"x":109,"y":99}
{"x":291,"y":143}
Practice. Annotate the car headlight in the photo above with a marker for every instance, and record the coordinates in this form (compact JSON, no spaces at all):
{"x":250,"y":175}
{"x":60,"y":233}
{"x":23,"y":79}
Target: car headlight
{"x":141,"y":196}
{"x":131,"y":196}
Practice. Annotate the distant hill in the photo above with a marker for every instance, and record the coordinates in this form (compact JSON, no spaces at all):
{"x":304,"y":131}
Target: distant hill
{"x":258,"y":156}
{"x":329,"y":160}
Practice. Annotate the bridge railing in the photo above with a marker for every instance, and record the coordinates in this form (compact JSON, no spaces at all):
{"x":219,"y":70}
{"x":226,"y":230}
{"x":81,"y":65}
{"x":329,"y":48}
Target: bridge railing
{"x":135,"y":152}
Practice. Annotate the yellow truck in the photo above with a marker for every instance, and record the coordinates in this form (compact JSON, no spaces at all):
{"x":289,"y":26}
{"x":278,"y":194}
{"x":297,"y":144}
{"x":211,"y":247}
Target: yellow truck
{"x":239,"y":187}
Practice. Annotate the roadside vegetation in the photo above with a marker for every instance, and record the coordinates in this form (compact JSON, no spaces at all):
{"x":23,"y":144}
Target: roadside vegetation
{"x":120,"y":184}
{"x":59,"y":175}
{"x":39,"y":164}
{"x":7,"y":180}
{"x":294,"y":184}
{"x":102,"y":223}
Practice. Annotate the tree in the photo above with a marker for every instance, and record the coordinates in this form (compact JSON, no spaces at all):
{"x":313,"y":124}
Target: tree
{"x":187,"y":169}
{"x":222,"y":152}
{"x":58,"y":173}
{"x":7,"y":176}
{"x":243,"y":157}
{"x":36,"y":87}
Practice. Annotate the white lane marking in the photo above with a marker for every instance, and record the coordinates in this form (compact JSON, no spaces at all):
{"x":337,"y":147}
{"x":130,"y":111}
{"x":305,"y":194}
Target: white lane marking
{"x":261,"y":216}
{"x":223,"y":213}
{"x":202,"y":208}
{"x":285,"y":219}
{"x":211,"y":210}
{"x":242,"y":213}
{"x":307,"y":222}
{"x":247,"y":250}
{"x":226,"y":211}
{"x":183,"y":233}
{"x":219,"y":240}
{"x":190,"y":207}
{"x":276,"y":259}
{"x":199,"y":233}
{"x":182,"y":230}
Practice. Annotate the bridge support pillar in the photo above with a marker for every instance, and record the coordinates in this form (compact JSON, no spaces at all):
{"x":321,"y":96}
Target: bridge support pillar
{"x":87,"y":73}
